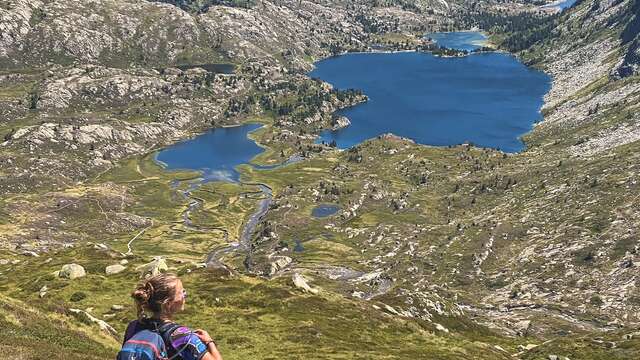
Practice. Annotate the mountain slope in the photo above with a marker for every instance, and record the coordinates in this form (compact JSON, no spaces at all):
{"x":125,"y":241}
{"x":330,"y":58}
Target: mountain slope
{"x":448,"y":253}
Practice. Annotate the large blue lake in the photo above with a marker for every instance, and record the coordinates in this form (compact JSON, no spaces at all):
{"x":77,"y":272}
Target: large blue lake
{"x":489,"y":99}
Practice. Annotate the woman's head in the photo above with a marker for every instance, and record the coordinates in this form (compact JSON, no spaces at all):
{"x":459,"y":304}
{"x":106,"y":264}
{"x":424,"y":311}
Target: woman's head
{"x":160,"y":296}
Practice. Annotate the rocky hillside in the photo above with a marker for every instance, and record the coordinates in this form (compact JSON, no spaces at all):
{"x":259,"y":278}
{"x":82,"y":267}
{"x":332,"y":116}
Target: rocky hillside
{"x":440,"y":253}
{"x":97,"y":79}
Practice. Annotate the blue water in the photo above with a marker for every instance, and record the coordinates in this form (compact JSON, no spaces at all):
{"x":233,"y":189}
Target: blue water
{"x":458,"y":40}
{"x":561,"y":5}
{"x":489,"y":99}
{"x":325,"y":210}
{"x":216,"y":152}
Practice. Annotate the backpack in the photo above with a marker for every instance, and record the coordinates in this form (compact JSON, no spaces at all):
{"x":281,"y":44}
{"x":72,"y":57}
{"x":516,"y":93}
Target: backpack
{"x":148,"y":344}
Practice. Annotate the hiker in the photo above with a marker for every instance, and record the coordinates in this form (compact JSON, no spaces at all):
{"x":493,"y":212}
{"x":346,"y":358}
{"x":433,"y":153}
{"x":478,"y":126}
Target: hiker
{"x":154,"y":336}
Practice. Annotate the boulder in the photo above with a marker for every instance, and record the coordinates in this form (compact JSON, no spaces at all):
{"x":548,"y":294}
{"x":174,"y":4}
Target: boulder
{"x":72,"y":271}
{"x":117,"y":307}
{"x":100,"y":246}
{"x":527,"y":347}
{"x":279,"y":263}
{"x":341,"y":122}
{"x":43,"y":291}
{"x":390,"y":309}
{"x":114,"y":269}
{"x":301,"y":283}
{"x":522,"y":327}
{"x":441,"y":328}
{"x":155,"y":267}
{"x":84,"y":315}
{"x":173,"y":71}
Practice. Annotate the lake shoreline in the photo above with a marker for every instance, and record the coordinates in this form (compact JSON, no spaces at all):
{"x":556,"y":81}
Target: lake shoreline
{"x":533,"y":104}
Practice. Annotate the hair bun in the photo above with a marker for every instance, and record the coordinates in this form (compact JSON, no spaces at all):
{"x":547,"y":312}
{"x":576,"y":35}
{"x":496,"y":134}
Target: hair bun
{"x":142,"y":294}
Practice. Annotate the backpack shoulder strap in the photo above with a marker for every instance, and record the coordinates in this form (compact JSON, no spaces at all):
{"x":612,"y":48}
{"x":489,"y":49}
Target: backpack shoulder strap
{"x":131,"y":330}
{"x":165,"y":331}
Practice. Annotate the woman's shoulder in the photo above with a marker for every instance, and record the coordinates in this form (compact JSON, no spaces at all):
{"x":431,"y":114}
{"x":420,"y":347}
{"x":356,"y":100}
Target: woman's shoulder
{"x":180,"y":330}
{"x":181,"y":335}
{"x":186,"y":342}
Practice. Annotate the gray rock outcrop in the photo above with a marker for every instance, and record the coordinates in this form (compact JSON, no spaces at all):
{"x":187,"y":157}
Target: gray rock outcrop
{"x":72,"y":271}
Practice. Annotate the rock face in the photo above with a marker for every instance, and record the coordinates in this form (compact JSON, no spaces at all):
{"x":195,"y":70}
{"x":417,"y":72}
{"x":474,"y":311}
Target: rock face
{"x":301,"y":283}
{"x":72,"y":271}
{"x":155,"y":267}
{"x":114,"y":269}
{"x":630,"y":64}
{"x":522,"y":327}
{"x":278,"y":263}
{"x":341,"y":122}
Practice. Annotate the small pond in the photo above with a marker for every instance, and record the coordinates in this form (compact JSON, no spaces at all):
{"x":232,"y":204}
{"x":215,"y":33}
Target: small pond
{"x":324,"y":210}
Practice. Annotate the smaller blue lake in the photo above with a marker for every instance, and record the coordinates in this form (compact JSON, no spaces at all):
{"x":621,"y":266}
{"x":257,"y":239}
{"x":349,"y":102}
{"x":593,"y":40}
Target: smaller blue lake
{"x":324,"y":210}
{"x":459,"y":40}
{"x":216,"y":153}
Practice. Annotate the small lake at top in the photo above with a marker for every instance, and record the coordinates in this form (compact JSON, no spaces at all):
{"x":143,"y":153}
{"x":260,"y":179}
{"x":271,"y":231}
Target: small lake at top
{"x":459,"y":40}
{"x":562,"y":5}
{"x":489,"y":99}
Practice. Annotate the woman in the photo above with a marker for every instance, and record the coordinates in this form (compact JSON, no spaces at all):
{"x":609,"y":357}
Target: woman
{"x":158,"y":299}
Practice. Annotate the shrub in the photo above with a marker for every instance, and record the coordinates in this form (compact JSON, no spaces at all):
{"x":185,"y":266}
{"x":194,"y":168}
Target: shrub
{"x":78,"y":296}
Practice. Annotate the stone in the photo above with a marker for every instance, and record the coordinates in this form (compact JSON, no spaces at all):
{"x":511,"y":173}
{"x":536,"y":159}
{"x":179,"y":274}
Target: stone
{"x":341,"y":122}
{"x":155,"y":267}
{"x":173,"y":71}
{"x":72,"y":271}
{"x":100,"y":246}
{"x":441,"y":328}
{"x":124,"y":262}
{"x":301,"y":283}
{"x":101,"y":323}
{"x":391,"y":310}
{"x":498,"y":347}
{"x":278,"y":264}
{"x":43,"y":291}
{"x":626,"y":263}
{"x":522,"y":327}
{"x":116,"y":307}
{"x":114,"y":269}
{"x":528,"y":347}
{"x":553,"y":357}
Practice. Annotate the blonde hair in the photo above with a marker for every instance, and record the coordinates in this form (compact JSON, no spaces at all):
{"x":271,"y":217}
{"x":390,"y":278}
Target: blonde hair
{"x":153,"y":294}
